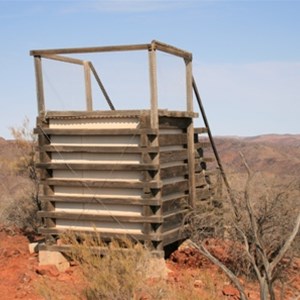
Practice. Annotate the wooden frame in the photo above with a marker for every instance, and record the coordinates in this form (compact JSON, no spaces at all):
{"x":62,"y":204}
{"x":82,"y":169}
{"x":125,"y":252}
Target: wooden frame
{"x":59,"y":55}
{"x":169,"y":178}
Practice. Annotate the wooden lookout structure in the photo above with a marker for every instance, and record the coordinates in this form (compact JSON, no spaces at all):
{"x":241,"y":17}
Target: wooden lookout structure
{"x":134,"y":173}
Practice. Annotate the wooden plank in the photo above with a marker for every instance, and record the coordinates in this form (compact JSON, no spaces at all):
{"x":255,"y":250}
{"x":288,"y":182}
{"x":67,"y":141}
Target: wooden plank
{"x":202,"y":145}
{"x":174,"y":235}
{"x":100,"y":218}
{"x":172,"y":50}
{"x":153,"y":88}
{"x":100,"y":167}
{"x":95,"y":132}
{"x":178,"y":203}
{"x":91,"y":49}
{"x":191,"y":164}
{"x":145,"y":200}
{"x":97,"y":114}
{"x":103,"y":114}
{"x":189,"y":86}
{"x":88,"y":86}
{"x":173,"y":123}
{"x":176,"y":187}
{"x":98,"y":149}
{"x":200,"y":180}
{"x":64,"y":59}
{"x":39,"y":84}
{"x":203,"y":194}
{"x":199,"y":130}
{"x":101,"y":86}
{"x":173,"y":171}
{"x":175,"y":155}
{"x":172,"y":139}
{"x":102,"y":183}
{"x":104,"y":235}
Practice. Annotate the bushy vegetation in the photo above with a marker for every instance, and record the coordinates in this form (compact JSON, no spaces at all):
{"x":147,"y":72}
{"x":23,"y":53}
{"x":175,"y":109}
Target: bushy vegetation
{"x":21,"y":208}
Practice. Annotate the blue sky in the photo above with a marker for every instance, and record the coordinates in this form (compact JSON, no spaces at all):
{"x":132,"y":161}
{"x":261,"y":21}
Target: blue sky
{"x":246,"y":56}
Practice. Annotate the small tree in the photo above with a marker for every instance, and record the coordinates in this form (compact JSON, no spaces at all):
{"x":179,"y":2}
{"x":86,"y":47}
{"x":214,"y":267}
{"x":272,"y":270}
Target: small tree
{"x":266,"y":235}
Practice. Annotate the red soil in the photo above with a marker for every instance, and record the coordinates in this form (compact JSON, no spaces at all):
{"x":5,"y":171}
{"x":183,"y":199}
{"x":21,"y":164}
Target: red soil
{"x":22,"y":278}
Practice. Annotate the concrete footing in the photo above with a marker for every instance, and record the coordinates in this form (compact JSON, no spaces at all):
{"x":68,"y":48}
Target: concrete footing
{"x":53,"y":258}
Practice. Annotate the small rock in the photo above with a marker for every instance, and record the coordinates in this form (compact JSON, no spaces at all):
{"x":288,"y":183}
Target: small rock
{"x":24,"y":278}
{"x":49,"y":270}
{"x":198,"y":284}
{"x":231,"y":292}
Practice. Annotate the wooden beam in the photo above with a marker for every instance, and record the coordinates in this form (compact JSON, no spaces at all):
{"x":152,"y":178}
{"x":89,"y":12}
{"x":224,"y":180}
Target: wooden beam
{"x":97,"y":132}
{"x":97,"y":149}
{"x":153,"y":87}
{"x":99,"y":167}
{"x":90,"y":49}
{"x":102,"y":183}
{"x":172,"y":50}
{"x":63,"y":59}
{"x":189,"y":85}
{"x":100,"y":218}
{"x":88,"y":86}
{"x":101,"y":86}
{"x":39,"y":84}
{"x":104,"y":200}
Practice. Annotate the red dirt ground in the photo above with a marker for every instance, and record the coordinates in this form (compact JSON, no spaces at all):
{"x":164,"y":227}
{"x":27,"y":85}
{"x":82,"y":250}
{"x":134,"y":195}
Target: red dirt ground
{"x":22,"y":278}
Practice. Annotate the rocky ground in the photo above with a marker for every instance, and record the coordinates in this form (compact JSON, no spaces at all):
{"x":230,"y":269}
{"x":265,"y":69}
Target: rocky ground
{"x":188,"y":272}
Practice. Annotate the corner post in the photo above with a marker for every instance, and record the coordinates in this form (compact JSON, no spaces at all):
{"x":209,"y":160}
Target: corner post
{"x":190,"y":133}
{"x":153,"y":85}
{"x":39,"y":84}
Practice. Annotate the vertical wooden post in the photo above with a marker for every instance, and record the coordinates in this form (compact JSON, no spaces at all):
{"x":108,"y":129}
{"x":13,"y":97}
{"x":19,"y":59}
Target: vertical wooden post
{"x":189,"y":86}
{"x":153,"y":86}
{"x":88,"y":86}
{"x":190,"y":133}
{"x":39,"y":84}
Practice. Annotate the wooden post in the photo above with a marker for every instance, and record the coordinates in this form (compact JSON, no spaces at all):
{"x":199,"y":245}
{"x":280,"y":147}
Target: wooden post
{"x":39,"y":84}
{"x":153,"y":86}
{"x":190,"y":133}
{"x":88,"y":86}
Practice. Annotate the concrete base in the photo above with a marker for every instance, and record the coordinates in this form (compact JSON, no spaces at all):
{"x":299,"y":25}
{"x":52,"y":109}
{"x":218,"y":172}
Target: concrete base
{"x":33,"y":247}
{"x":156,"y":268}
{"x":53,"y":258}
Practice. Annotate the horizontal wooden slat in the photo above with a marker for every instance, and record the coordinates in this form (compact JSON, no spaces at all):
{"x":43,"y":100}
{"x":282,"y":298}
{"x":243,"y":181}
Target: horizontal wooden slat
{"x":98,"y":149}
{"x":173,"y":171}
{"x":99,"y":218}
{"x":175,"y":155}
{"x":175,"y":187}
{"x":102,"y":183}
{"x":95,"y":132}
{"x":202,"y":145}
{"x":203,"y":193}
{"x":174,"y":235}
{"x":172,"y":139}
{"x":104,"y":235}
{"x":200,"y":130}
{"x":98,"y":166}
{"x":200,"y":179}
{"x":173,"y":123}
{"x":96,"y":250}
{"x":145,"y":200}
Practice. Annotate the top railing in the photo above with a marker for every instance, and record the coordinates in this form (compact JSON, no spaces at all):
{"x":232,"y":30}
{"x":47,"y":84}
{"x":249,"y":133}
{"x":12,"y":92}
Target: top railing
{"x":60,"y":55}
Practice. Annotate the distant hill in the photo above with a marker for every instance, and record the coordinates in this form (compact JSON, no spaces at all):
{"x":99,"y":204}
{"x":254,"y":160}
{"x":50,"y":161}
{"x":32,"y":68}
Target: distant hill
{"x":274,"y":154}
